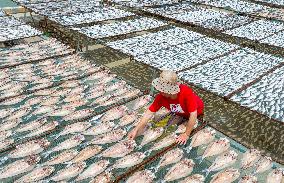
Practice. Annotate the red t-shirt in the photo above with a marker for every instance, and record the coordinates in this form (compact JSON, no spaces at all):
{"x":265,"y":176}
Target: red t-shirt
{"x":187,"y":101}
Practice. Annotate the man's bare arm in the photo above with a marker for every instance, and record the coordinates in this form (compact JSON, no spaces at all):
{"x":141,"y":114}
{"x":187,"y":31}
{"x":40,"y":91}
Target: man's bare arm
{"x":191,"y":122}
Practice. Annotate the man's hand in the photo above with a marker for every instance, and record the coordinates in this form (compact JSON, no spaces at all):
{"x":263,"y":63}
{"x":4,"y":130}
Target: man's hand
{"x":182,"y":139}
{"x":132,"y":135}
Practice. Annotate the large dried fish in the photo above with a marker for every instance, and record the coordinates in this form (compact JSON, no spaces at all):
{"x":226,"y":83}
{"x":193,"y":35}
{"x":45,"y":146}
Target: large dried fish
{"x":216,"y":147}
{"x":249,"y":158}
{"x":226,"y":176}
{"x":19,"y":166}
{"x":69,"y":143}
{"x":87,"y":153}
{"x":129,"y":160}
{"x":141,"y":102}
{"x":43,"y":110}
{"x":151,"y":135}
{"x":180,"y":170}
{"x":114,"y":113}
{"x":172,"y":156}
{"x":93,"y":170}
{"x":196,"y":178}
{"x":275,"y":176}
{"x":248,"y":179}
{"x":166,"y":141}
{"x":5,"y":112}
{"x":109,"y":137}
{"x":62,"y":157}
{"x":202,"y":137}
{"x":37,"y":174}
{"x":120,"y":149}
{"x":144,"y":176}
{"x":263,"y":164}
{"x":99,"y":129}
{"x":74,"y":128}
{"x":69,"y":172}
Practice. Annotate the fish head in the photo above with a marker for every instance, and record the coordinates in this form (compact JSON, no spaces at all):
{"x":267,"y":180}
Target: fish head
{"x":104,"y":163}
{"x":81,"y":165}
{"x":129,"y":143}
{"x":232,"y":154}
{"x":33,"y":159}
{"x":79,"y":137}
{"x":188,"y":162}
{"x":44,"y":143}
{"x":48,"y":169}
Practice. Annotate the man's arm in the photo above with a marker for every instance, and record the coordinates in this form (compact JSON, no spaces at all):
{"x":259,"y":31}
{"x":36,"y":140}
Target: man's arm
{"x":141,"y":125}
{"x":182,"y":138}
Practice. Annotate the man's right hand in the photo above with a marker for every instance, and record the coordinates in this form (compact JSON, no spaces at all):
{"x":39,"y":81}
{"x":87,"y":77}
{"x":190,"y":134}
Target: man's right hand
{"x":132,"y":135}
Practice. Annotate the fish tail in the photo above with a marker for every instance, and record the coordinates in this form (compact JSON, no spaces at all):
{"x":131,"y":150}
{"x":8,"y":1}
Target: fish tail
{"x":207,"y":171}
{"x":3,"y":160}
{"x":200,"y":159}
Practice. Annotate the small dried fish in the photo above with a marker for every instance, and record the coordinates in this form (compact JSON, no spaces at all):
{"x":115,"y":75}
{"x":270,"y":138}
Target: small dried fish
{"x":129,"y":160}
{"x":45,"y":92}
{"x":151,"y":135}
{"x":62,"y":157}
{"x":263,"y":164}
{"x":5,"y":134}
{"x":141,"y":102}
{"x":50,"y":101}
{"x":196,"y":178}
{"x":5,"y":143}
{"x":131,"y":94}
{"x":166,"y":141}
{"x":249,"y":158}
{"x":226,"y":176}
{"x":109,"y":137}
{"x":5,"y":112}
{"x":120,"y":149}
{"x":31,"y":125}
{"x":102,"y":99}
{"x":144,"y":176}
{"x":62,"y":111}
{"x":18,"y":114}
{"x":99,"y":129}
{"x":34,"y":101}
{"x":43,"y":129}
{"x":69,"y":143}
{"x":29,"y":148}
{"x":10,"y":124}
{"x":19,"y":166}
{"x":180,"y":170}
{"x":172,"y":156}
{"x":275,"y":176}
{"x":248,"y":179}
{"x":78,"y":114}
{"x":37,"y":174}
{"x":102,"y":178}
{"x":43,"y":110}
{"x":87,"y":153}
{"x":93,"y":170}
{"x":74,"y":128}
{"x":69,"y":172}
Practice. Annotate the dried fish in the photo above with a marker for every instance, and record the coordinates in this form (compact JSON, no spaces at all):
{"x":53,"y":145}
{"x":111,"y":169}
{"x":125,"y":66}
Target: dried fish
{"x":129,"y":160}
{"x":172,"y":156}
{"x":93,"y":170}
{"x":114,"y":113}
{"x":249,"y":158}
{"x":31,"y":125}
{"x":43,"y":129}
{"x":19,"y":166}
{"x":69,"y":143}
{"x":115,"y":86}
{"x":5,"y":143}
{"x":109,"y":137}
{"x":166,"y":141}
{"x":74,"y":128}
{"x":128,"y":119}
{"x":5,"y":134}
{"x":263,"y":164}
{"x":275,"y":176}
{"x":62,"y":157}
{"x":87,"y":153}
{"x":141,"y":102}
{"x":151,"y":135}
{"x":69,"y":172}
{"x":144,"y":176}
{"x":196,"y":178}
{"x":120,"y":149}
{"x":10,"y":124}
{"x":226,"y":176}
{"x":102,"y":178}
{"x":78,"y":114}
{"x":202,"y":137}
{"x":99,"y":129}
{"x":37,"y":174}
{"x":180,"y":170}
{"x":248,"y":179}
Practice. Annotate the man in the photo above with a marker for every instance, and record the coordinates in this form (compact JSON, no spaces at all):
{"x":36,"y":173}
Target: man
{"x":178,"y":98}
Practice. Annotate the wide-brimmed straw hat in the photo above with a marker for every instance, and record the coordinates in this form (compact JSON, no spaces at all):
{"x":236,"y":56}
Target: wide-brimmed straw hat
{"x":167,"y":83}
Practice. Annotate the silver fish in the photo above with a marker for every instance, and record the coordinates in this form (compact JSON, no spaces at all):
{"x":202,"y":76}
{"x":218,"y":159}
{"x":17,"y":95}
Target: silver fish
{"x":109,"y":137}
{"x":151,"y":135}
{"x":78,"y":114}
{"x":196,"y":178}
{"x":250,"y":157}
{"x":31,"y":125}
{"x":29,"y":148}
{"x":69,"y":143}
{"x":172,"y":156}
{"x":99,"y":129}
{"x":263,"y":164}
{"x":180,"y":170}
{"x":93,"y":170}
{"x":248,"y":179}
{"x":98,"y":75}
{"x":275,"y":176}
{"x":60,"y":93}
{"x":120,"y":149}
{"x":120,"y":92}
{"x":87,"y":153}
{"x":141,"y":102}
{"x":144,"y":176}
{"x":19,"y":166}
{"x":223,"y":161}
{"x":166,"y":141}
{"x":106,"y":79}
{"x":5,"y":134}
{"x":111,"y":101}
{"x":102,"y":178}
{"x":216,"y":147}
{"x":74,"y":128}
{"x":69,"y":172}
{"x":114,"y":113}
{"x":226,"y":176}
{"x":37,"y":174}
{"x":129,"y":160}
{"x":5,"y":143}
{"x":43,"y":129}
{"x":62,"y":157}
{"x":10,"y":124}
{"x":127,"y":119}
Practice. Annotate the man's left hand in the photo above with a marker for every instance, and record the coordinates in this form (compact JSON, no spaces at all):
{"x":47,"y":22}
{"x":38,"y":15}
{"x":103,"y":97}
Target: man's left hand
{"x":182,"y":139}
